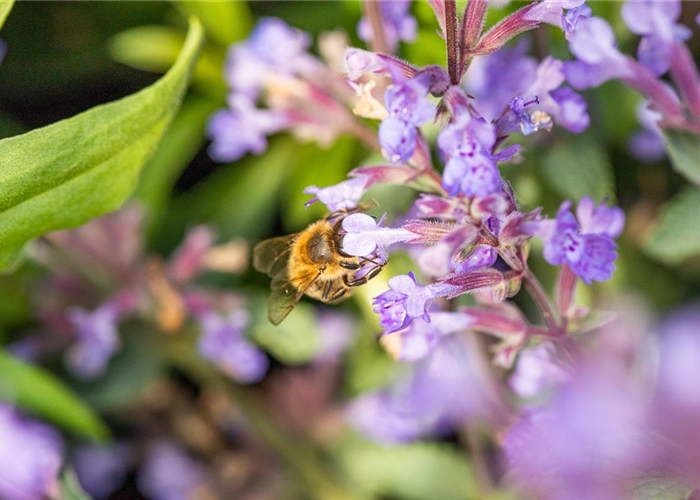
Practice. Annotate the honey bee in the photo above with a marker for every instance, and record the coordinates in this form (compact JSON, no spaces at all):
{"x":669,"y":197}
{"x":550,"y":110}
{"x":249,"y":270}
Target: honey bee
{"x":311,"y":263}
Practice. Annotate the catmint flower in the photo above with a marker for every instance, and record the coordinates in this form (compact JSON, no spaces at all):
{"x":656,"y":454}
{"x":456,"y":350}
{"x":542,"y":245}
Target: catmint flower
{"x":588,"y":249}
{"x":537,"y":371}
{"x":30,"y":457}
{"x":101,"y":469}
{"x":470,"y":169}
{"x":222,"y":341}
{"x":406,"y":300}
{"x":170,"y":474}
{"x":242,"y":129}
{"x":408,"y":109}
{"x":421,"y":338}
{"x":97,"y":339}
{"x":647,"y":144}
{"x":655,"y":21}
{"x":360,"y":62}
{"x":399,"y":24}
{"x":345,"y":195}
{"x":364,"y":235}
{"x":564,"y":14}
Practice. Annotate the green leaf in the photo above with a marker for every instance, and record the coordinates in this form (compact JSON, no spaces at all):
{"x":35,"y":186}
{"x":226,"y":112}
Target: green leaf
{"x":181,"y":142}
{"x":684,"y":151}
{"x":418,"y":471}
{"x":224,"y":21}
{"x":579,"y":167}
{"x":62,"y":175}
{"x":156,"y":48}
{"x":32,"y":388}
{"x":5,"y":8}
{"x":676,"y":235}
{"x":71,"y":488}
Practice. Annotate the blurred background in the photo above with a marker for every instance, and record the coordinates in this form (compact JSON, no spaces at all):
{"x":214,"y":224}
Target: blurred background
{"x":160,"y":421}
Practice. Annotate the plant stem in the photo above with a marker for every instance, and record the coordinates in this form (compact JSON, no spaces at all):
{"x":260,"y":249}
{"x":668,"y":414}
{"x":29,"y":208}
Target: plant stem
{"x":302,"y":459}
{"x":373,"y":14}
{"x":536,"y":291}
{"x":451,"y":33}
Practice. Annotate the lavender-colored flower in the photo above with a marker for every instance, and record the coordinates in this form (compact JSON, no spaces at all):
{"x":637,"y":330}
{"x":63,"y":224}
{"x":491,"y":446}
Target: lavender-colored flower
{"x":470,"y":169}
{"x":222,"y":341}
{"x":30,"y":457}
{"x":589,"y":249}
{"x":406,"y":300}
{"x":272,"y":46}
{"x":101,"y":469}
{"x":242,"y":129}
{"x":364,"y":235}
{"x":647,"y":144}
{"x":170,"y":474}
{"x":420,"y":339}
{"x":97,"y":339}
{"x":360,"y":62}
{"x":656,"y":22}
{"x":564,"y":14}
{"x":599,"y":60}
{"x":537,"y":370}
{"x":345,"y":195}
{"x":399,"y":24}
{"x":408,"y":109}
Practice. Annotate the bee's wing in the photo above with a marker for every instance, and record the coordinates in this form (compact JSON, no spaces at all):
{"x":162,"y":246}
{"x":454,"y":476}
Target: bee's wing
{"x":271,"y":256}
{"x":285,"y":293}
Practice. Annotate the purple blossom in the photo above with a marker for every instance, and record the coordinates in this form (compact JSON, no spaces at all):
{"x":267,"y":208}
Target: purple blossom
{"x":648,"y":144}
{"x":470,"y":169}
{"x":360,"y":62}
{"x":222,"y":341}
{"x":656,"y":22}
{"x":408,"y":109}
{"x":564,"y":14}
{"x":101,"y":469}
{"x":589,"y":249}
{"x":97,"y":339}
{"x":538,"y":370}
{"x":241,"y":129}
{"x":30,"y":457}
{"x":169,"y":474}
{"x":406,"y":300}
{"x":399,"y":24}
{"x":364,"y":235}
{"x":345,"y":195}
{"x":421,"y":338}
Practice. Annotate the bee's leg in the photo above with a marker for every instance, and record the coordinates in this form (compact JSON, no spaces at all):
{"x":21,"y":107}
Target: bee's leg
{"x":350,"y":265}
{"x":326,"y":291}
{"x":335,"y":214}
{"x":365,"y":259}
{"x":361,"y":281}
{"x":339,"y":294}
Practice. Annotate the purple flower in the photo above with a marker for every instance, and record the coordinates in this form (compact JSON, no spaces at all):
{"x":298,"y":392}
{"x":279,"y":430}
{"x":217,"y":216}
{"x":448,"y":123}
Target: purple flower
{"x":101,"y":469}
{"x":599,"y":60}
{"x":399,"y":24}
{"x":408,"y":109}
{"x":169,"y":474}
{"x":342,"y":196}
{"x":30,"y":457}
{"x":360,"y":62}
{"x":656,"y":22}
{"x":405,"y":301}
{"x":470,"y":170}
{"x":273,"y":46}
{"x":647,"y":144}
{"x":537,"y":370}
{"x":564,"y":14}
{"x":571,"y":112}
{"x":420,"y":339}
{"x":364,"y":235}
{"x":241,"y":129}
{"x":97,"y":339}
{"x":222,"y":341}
{"x":588,"y":249}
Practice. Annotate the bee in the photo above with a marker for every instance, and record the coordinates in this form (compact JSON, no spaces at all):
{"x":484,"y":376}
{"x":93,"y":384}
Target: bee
{"x":311,"y":263}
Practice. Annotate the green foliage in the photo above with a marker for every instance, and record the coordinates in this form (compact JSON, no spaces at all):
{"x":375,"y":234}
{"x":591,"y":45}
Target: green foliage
{"x":684,"y":152}
{"x":36,"y":390}
{"x":224,"y":21}
{"x":579,"y":167}
{"x":62,"y":175}
{"x":676,"y":235}
{"x":418,"y":471}
{"x":5,"y":8}
{"x":70,"y":487}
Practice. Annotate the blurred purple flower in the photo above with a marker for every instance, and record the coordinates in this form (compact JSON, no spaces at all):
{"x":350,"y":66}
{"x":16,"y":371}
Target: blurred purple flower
{"x":564,"y":14}
{"x":470,"y":169}
{"x":337,"y":330}
{"x":601,"y":219}
{"x":30,"y":457}
{"x":647,"y":144}
{"x":102,"y":469}
{"x":169,"y":474}
{"x":537,"y":371}
{"x":222,"y":341}
{"x":345,"y":195}
{"x":241,"y":129}
{"x":399,"y":24}
{"x":406,"y":300}
{"x":421,"y":338}
{"x":408,"y":109}
{"x":97,"y":339}
{"x":364,"y":235}
{"x":360,"y":62}
{"x":655,"y":21}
